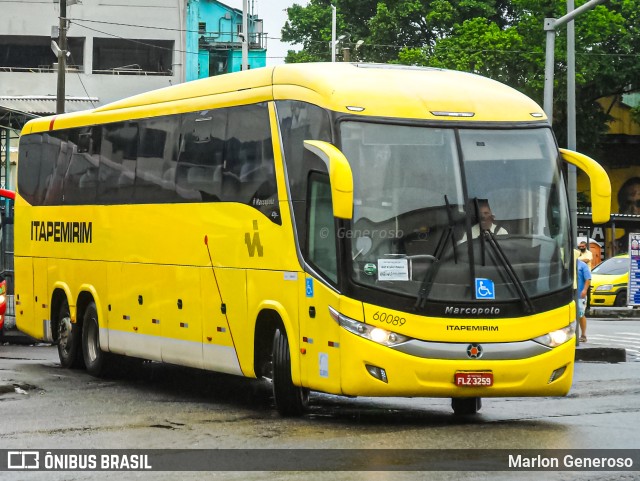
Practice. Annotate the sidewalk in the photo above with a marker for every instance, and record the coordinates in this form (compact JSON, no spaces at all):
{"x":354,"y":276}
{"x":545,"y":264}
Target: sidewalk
{"x":613,"y":312}
{"x":589,"y":353}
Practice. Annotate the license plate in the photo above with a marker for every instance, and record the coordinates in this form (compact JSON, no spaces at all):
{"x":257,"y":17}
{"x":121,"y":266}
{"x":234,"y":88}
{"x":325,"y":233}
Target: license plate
{"x":473,"y":379}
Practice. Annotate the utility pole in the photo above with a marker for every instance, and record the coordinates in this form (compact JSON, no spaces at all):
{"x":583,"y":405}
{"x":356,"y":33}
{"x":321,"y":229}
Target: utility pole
{"x":62,"y":57}
{"x":245,"y":36}
{"x":333,"y":33}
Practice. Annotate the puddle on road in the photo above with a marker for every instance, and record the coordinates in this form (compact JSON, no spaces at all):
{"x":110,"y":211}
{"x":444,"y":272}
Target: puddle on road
{"x":18,"y":388}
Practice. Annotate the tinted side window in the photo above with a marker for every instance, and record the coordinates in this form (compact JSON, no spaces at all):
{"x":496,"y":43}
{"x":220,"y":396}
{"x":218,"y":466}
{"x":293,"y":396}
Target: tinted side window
{"x":29,"y":159}
{"x":321,"y":245}
{"x":199,"y":173}
{"x":300,"y":121}
{"x":81,"y":176}
{"x":249,"y":173}
{"x":157,"y":160}
{"x":118,"y":155}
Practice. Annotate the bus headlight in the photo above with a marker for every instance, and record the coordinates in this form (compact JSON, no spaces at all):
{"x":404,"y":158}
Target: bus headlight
{"x":605,"y":287}
{"x":559,"y":337}
{"x":3,"y":299}
{"x":375,"y":334}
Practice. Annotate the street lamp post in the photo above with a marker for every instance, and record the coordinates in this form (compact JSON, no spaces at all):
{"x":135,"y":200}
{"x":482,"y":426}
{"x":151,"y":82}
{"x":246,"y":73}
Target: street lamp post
{"x":550,"y":26}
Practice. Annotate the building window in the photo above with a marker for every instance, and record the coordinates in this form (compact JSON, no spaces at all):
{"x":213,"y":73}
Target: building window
{"x":132,"y":57}
{"x":33,"y":54}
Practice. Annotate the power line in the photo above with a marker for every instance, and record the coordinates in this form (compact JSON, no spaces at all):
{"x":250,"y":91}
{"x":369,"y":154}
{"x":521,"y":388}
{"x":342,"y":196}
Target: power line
{"x":135,"y":41}
{"x":367,"y":45}
{"x":81,"y":82}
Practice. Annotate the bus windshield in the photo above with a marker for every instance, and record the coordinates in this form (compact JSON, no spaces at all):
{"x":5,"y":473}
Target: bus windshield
{"x":460,"y":214}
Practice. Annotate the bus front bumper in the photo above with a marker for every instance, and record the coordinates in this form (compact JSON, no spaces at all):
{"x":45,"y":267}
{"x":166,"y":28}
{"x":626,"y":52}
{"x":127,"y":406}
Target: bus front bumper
{"x":370,"y":369}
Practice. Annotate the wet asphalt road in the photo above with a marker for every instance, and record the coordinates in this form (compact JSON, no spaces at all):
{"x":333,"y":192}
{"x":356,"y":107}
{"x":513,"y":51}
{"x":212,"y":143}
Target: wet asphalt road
{"x":151,"y":405}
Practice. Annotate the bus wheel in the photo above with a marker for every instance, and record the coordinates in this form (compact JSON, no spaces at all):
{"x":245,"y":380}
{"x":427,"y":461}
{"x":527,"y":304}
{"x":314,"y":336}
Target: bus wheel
{"x":290,"y":400}
{"x":69,"y":334}
{"x":94,"y":358}
{"x":463,"y":406}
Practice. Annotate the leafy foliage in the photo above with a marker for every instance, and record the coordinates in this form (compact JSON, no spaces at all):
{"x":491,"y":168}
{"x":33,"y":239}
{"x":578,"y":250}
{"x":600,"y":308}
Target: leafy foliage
{"x":501,"y":39}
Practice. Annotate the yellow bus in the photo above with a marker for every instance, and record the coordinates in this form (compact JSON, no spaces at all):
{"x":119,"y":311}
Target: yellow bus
{"x":360,"y":230}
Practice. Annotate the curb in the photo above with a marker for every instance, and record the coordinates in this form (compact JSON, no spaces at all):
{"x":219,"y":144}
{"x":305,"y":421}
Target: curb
{"x":601,"y":354}
{"x":613,"y":312}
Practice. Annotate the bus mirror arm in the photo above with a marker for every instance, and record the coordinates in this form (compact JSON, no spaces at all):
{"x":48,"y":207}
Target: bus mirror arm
{"x":340,"y":176}
{"x":599,"y":181}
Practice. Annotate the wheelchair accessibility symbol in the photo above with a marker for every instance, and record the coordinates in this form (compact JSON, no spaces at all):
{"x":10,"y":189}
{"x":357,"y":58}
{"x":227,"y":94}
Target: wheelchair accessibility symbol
{"x":485,"y":289}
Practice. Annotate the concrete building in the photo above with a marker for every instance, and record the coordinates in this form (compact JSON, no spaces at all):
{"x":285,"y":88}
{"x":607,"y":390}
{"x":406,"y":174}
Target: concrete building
{"x":119,"y":48}
{"x":116,"y":49}
{"x":112,"y":54}
{"x":215,"y":32}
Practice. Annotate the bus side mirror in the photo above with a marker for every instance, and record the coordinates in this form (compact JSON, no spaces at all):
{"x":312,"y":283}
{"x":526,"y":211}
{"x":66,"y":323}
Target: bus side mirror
{"x":599,"y":182}
{"x":340,"y":176}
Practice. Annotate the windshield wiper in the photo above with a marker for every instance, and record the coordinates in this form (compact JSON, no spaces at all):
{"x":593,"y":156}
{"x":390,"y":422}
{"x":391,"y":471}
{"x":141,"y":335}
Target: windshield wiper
{"x":427,"y":282}
{"x":490,"y":237}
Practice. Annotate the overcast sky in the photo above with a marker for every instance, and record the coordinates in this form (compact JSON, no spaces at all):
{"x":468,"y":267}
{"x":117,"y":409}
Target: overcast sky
{"x":274,"y":15}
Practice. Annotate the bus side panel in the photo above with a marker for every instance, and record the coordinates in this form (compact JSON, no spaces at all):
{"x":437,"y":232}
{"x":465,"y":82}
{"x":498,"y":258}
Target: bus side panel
{"x":132,"y":330}
{"x":319,"y":337}
{"x":277,"y":291}
{"x":225,"y":337}
{"x":41,"y":294}
{"x":181,"y":326}
{"x":25,"y":315}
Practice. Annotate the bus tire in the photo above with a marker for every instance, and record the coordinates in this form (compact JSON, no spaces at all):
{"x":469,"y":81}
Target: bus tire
{"x":95,"y":359}
{"x":68,"y":338}
{"x":290,"y":400}
{"x":465,"y":406}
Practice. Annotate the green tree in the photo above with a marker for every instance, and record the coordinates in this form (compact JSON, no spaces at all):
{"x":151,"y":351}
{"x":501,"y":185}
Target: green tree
{"x":500,"y":39}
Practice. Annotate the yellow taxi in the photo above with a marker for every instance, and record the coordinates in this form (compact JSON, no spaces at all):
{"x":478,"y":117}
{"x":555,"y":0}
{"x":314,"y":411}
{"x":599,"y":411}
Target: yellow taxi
{"x":609,"y":281}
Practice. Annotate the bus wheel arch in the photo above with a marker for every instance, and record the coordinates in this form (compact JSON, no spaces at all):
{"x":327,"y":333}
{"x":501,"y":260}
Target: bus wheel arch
{"x":66,"y":334}
{"x":267,"y":323}
{"x":290,"y":399}
{"x":273,"y":359}
{"x":95,"y":359}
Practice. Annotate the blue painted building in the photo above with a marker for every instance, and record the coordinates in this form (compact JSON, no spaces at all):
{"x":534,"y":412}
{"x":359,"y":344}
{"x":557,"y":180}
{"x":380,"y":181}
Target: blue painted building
{"x":214,"y":32}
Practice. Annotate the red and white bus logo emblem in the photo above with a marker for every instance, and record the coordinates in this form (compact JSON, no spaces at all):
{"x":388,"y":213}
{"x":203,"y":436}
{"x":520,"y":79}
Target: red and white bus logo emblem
{"x":474,"y":351}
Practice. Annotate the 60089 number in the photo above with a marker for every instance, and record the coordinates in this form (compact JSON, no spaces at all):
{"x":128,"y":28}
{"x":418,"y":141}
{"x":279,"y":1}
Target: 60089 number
{"x":390,"y":319}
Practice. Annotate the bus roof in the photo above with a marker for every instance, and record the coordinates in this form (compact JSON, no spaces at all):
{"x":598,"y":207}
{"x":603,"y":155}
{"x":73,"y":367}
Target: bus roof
{"x":362,"y":89}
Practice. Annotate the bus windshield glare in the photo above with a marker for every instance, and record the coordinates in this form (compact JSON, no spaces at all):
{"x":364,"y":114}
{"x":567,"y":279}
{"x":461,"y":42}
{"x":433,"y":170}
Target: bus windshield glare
{"x":438,"y":209}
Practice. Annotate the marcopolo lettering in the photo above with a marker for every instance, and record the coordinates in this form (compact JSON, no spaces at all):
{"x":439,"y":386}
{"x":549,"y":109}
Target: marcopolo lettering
{"x":56,"y":231}
{"x":480,"y":311}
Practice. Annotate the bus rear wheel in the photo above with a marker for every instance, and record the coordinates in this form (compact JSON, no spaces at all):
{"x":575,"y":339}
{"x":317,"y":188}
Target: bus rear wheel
{"x":464,"y":406}
{"x":290,"y":400}
{"x":95,"y":359}
{"x":68,"y":338}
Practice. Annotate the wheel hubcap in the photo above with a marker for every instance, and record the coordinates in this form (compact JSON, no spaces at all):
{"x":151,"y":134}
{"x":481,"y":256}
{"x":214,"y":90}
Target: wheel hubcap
{"x":92,"y":337}
{"x":64,"y":333}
